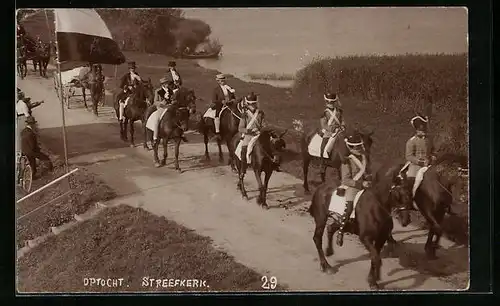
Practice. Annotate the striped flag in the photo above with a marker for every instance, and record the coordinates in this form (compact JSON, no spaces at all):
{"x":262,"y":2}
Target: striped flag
{"x":82,"y":36}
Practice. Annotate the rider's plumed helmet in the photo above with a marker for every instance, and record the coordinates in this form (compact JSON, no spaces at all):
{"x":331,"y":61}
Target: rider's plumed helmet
{"x":251,"y":99}
{"x":419,"y":122}
{"x":354,"y":142}
{"x":331,"y":99}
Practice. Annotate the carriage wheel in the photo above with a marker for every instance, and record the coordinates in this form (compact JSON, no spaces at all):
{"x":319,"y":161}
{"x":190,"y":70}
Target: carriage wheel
{"x":26,"y":175}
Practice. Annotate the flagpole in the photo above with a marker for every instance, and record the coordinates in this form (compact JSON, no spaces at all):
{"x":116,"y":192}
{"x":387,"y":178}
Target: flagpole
{"x":62,"y":101}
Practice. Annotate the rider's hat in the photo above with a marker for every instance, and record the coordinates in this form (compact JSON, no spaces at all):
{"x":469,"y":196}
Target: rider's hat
{"x":30,"y":120}
{"x":419,"y":122}
{"x":251,"y":98}
{"x":220,"y":77}
{"x":354,"y":141}
{"x":164,"y":80}
{"x":172,"y":64}
{"x":131,"y":65}
{"x":331,"y":99}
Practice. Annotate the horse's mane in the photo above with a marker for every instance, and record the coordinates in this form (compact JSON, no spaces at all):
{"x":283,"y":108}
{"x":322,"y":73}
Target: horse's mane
{"x":384,"y":178}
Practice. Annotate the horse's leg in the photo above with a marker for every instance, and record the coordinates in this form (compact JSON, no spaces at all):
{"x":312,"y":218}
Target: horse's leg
{"x":439,"y":216}
{"x":306,"y":160}
{"x":376,"y":262}
{"x":177,"y":145}
{"x":267,"y":176}
{"x":260,"y":186}
{"x":84,"y":97}
{"x":221,"y":157}
{"x":125,"y":128}
{"x":165,"y":151}
{"x":205,"y":140}
{"x":145,"y":130}
{"x":241,"y":177}
{"x":330,"y":231}
{"x":132,"y":131}
{"x":322,"y":171}
{"x":318,"y":241}
{"x":156,"y":144}
{"x":231,"y":153}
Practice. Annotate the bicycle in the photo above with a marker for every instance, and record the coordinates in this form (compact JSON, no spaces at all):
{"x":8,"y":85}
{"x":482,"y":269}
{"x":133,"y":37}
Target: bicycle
{"x":24,"y":172}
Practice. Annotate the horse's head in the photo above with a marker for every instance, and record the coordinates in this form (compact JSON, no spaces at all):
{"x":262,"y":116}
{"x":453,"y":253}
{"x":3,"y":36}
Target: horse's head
{"x":392,"y":189}
{"x":182,"y":116}
{"x":189,"y":99}
{"x":277,"y":142}
{"x":148,"y":90}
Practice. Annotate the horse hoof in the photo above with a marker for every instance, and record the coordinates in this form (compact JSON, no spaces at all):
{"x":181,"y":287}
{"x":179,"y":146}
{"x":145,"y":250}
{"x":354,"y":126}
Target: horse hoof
{"x":157,"y":165}
{"x":374,"y":286}
{"x":265,"y":206}
{"x":132,"y":145}
{"x":179,"y":170}
{"x":245,"y":197}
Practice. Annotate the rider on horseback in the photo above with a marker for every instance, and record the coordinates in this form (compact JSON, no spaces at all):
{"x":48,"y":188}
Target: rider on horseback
{"x":419,"y":150}
{"x":353,"y":173}
{"x":127,"y":83}
{"x":176,"y":77}
{"x":163,"y":98}
{"x":331,"y":122}
{"x":251,"y":123}
{"x":222,"y":94}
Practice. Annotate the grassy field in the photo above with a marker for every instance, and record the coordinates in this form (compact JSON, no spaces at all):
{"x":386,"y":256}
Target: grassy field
{"x":404,"y":83}
{"x":130,"y":243}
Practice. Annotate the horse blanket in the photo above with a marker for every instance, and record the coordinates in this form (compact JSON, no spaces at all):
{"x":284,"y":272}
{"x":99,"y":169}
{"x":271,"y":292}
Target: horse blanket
{"x":210,"y":113}
{"x":337,"y":203}
{"x":155,"y":118}
{"x":314,"y":147}
{"x":251,"y":145}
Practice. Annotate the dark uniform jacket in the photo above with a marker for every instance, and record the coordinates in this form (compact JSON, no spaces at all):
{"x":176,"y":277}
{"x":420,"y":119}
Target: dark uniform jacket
{"x":29,"y":142}
{"x":218,"y":95}
{"x":126,"y":80}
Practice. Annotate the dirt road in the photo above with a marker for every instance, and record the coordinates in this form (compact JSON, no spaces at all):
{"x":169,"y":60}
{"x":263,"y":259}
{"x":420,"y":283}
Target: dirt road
{"x":277,"y":242}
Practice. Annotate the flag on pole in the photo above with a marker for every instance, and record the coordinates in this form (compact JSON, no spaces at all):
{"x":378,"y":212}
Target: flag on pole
{"x":82,"y":36}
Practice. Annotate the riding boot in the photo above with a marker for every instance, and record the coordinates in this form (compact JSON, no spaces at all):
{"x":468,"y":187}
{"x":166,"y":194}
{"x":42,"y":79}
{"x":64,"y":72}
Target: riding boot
{"x":345,"y":217}
{"x":244,"y":162}
{"x":217,"y":127}
{"x":324,"y":141}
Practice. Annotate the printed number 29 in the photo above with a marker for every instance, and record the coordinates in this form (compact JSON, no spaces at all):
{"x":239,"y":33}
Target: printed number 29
{"x":269,"y":284}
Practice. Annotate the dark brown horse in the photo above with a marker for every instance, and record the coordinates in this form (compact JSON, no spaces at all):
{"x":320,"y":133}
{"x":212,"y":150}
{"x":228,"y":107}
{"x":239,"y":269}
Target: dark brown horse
{"x":172,"y":126}
{"x":265,"y":151}
{"x":373,"y":217}
{"x":338,"y":150}
{"x":135,"y":110}
{"x":30,"y":49}
{"x":22,"y":66}
{"x":229,"y":121}
{"x":42,"y":59}
{"x":440,"y":187}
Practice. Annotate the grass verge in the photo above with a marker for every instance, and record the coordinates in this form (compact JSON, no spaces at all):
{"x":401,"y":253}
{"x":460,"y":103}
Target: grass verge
{"x":130,"y":243}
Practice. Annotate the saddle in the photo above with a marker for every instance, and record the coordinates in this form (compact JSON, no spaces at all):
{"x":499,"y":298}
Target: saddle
{"x":155,"y":118}
{"x":314,"y":147}
{"x":337,"y":203}
{"x":251,"y":145}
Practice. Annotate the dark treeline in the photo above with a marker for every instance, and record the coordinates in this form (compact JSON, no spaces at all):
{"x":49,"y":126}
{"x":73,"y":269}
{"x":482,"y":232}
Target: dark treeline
{"x":160,"y":31}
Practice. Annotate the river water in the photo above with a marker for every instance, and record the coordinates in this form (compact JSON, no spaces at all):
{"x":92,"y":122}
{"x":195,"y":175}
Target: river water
{"x":283,"y":40}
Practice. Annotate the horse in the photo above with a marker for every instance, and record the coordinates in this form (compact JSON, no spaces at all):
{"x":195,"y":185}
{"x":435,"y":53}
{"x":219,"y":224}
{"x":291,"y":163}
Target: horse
{"x":30,"y":49}
{"x":43,"y":53}
{"x":338,"y":150}
{"x":186,"y":97}
{"x":373,"y":221}
{"x":22,"y":66}
{"x":172,"y":125}
{"x":135,"y":109}
{"x":230,"y":116}
{"x":436,"y":193}
{"x":266,"y":147}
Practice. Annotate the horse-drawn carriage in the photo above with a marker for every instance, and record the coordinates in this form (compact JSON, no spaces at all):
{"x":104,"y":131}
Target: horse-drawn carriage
{"x":71,"y":81}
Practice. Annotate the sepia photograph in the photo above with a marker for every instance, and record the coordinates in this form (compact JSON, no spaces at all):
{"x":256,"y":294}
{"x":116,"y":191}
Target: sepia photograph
{"x":220,"y":150}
